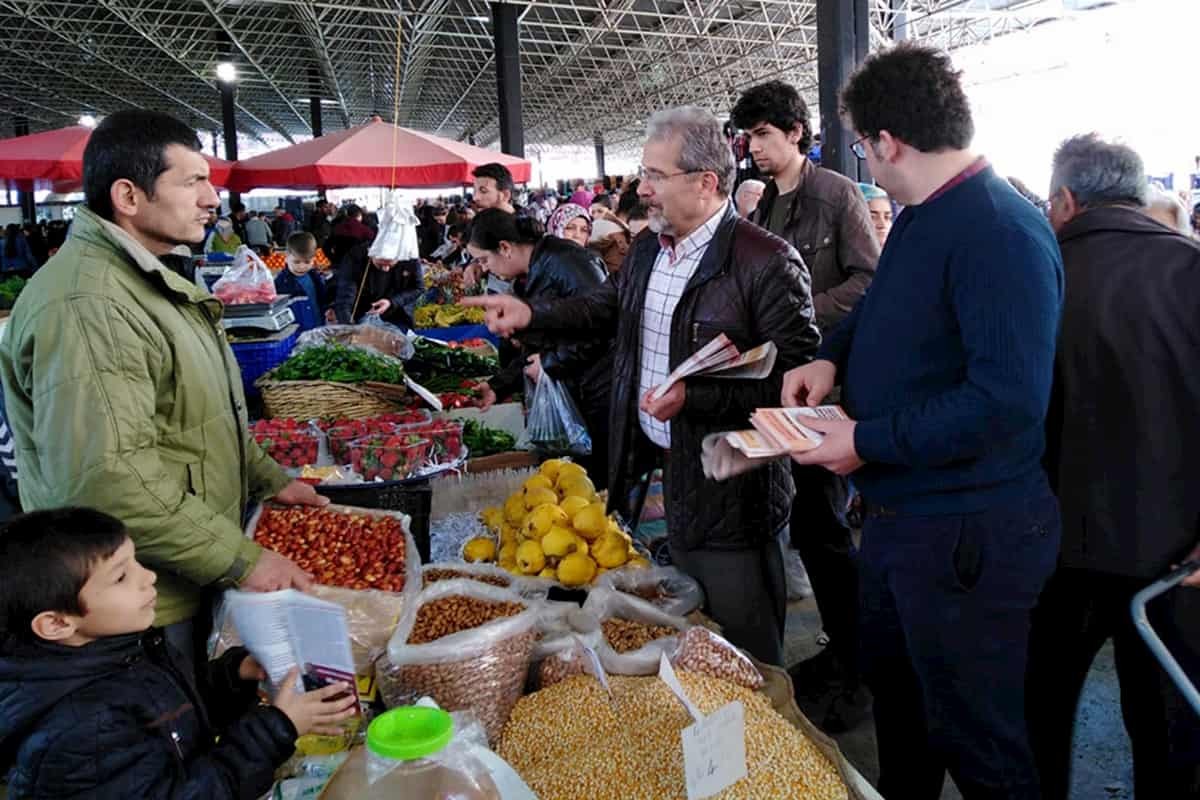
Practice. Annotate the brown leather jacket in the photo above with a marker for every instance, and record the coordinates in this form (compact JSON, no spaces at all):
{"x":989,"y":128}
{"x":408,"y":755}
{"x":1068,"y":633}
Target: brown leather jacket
{"x":828,"y":223}
{"x":753,"y":287}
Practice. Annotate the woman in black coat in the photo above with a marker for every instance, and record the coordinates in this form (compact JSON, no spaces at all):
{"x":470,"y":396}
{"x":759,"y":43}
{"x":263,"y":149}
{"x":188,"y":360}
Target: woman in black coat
{"x":541,"y":266}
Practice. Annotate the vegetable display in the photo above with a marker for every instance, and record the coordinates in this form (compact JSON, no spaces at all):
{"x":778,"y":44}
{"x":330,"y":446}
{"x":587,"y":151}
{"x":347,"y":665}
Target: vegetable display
{"x":10,"y":290}
{"x":340,"y":364}
{"x":447,"y":316}
{"x":484,"y":441}
{"x":432,"y":359}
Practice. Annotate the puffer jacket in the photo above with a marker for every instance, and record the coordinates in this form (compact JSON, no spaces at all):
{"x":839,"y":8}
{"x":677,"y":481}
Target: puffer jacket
{"x":403,"y":285}
{"x":829,"y":224}
{"x":123,"y":395}
{"x":749,"y":285}
{"x":116,"y":719}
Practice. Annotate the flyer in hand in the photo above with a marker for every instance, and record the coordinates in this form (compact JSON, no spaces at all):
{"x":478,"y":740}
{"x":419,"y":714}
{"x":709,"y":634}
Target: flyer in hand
{"x":780,"y":431}
{"x":720,"y":358}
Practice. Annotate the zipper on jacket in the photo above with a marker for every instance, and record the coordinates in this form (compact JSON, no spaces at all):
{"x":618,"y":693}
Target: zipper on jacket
{"x":239,"y":434}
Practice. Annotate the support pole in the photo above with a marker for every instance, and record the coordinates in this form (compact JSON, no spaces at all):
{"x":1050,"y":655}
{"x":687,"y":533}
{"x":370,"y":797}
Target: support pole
{"x":228,"y":95}
{"x":601,"y":171}
{"x":508,"y":77}
{"x":843,"y":36}
{"x":25,"y":200}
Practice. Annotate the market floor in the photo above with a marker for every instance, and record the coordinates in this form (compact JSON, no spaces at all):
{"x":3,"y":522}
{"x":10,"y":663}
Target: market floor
{"x":1103,"y":765}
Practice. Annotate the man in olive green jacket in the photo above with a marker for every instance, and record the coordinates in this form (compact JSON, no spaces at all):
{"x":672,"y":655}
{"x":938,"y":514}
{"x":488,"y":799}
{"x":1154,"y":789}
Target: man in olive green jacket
{"x":122,"y":392}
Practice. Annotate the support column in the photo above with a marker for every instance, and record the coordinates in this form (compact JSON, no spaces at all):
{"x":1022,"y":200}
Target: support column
{"x":228,"y":93}
{"x":314,"y":101}
{"x":899,"y":28}
{"x":601,"y":171}
{"x":25,"y":200}
{"x":216,"y":137}
{"x":843,"y":36}
{"x":506,"y":38}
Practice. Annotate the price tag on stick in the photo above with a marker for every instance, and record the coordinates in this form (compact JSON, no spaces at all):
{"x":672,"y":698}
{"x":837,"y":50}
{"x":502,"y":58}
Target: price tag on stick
{"x":714,"y":751}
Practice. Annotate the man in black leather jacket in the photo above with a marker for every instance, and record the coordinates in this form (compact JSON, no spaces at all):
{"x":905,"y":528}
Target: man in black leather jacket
{"x":740,"y":281}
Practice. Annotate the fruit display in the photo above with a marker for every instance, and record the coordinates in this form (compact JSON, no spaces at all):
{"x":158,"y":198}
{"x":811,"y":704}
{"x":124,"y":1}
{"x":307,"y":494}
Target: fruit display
{"x":388,"y":456}
{"x":446,"y":316}
{"x":555,"y":527}
{"x":291,"y":442}
{"x":409,"y":417}
{"x":446,"y":436}
{"x":350,"y":549}
{"x":465,"y":396}
{"x":340,"y":364}
{"x":277,"y":260}
{"x":574,"y":740}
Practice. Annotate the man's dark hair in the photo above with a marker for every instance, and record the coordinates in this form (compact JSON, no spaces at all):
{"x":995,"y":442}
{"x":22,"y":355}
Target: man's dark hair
{"x":457,"y":230}
{"x":48,"y":557}
{"x":497,"y":172}
{"x":915,"y":94}
{"x":353,"y":211}
{"x":493,"y":226}
{"x":302,"y":244}
{"x":130,"y":144}
{"x":775,"y":103}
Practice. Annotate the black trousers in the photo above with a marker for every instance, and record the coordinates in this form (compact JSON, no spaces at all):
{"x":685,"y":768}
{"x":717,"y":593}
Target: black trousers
{"x":1077,"y":613}
{"x":946,"y":604}
{"x":823,"y":541}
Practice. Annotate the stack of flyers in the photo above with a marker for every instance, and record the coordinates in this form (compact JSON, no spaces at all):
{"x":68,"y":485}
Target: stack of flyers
{"x":720,"y":358}
{"x":781,"y":431}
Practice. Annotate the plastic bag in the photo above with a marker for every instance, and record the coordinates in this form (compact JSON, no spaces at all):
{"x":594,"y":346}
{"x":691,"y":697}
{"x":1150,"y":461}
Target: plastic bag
{"x":397,"y":237}
{"x":554,"y":424}
{"x":665,"y":587}
{"x":701,"y":650}
{"x":569,"y":656}
{"x":373,"y":334}
{"x":246,"y":280}
{"x":481,"y":669}
{"x":604,"y":604}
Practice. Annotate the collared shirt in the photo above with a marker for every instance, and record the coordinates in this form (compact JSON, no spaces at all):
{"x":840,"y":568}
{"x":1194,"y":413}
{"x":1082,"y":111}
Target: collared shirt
{"x":674,"y":267}
{"x":977,"y":166}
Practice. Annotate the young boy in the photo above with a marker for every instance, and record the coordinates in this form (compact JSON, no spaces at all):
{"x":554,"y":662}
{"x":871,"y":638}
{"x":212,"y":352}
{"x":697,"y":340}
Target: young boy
{"x":299,"y":280}
{"x":92,"y":704}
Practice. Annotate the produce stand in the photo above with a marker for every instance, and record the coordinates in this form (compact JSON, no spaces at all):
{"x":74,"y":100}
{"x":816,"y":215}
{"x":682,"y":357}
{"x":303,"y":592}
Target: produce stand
{"x":261,"y":354}
{"x":458,"y":333}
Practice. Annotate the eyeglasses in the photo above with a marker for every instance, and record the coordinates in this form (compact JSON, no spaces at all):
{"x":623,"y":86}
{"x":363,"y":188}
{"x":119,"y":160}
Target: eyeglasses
{"x":655,"y":177}
{"x":858,"y":149}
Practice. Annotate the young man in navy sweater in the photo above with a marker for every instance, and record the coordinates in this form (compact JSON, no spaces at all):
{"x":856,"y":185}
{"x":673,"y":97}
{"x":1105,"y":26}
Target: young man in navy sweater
{"x":945,"y":368}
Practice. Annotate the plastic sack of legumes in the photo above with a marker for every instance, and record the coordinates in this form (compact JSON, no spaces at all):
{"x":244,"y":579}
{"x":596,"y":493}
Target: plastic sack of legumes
{"x":478,"y":658}
{"x":700,"y":650}
{"x":666,"y":587}
{"x":634,"y":634}
{"x":568,"y":656}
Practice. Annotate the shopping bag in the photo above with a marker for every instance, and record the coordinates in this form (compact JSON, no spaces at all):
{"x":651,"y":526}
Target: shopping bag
{"x":246,"y":280}
{"x":397,"y":238}
{"x":554,"y":425}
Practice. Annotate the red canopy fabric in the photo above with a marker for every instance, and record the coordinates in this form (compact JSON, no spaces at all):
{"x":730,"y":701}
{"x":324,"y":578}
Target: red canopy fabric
{"x":53,"y":160}
{"x":364,"y":156}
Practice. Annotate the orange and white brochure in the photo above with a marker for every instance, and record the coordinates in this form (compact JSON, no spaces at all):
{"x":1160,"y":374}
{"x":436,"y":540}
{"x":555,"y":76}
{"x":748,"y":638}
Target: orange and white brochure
{"x":720,"y":359}
{"x":780,"y":431}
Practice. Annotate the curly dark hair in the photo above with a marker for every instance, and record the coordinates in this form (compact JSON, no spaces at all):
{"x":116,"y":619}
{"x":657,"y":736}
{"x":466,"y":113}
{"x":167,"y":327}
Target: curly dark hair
{"x":775,"y":103}
{"x":915,"y":94}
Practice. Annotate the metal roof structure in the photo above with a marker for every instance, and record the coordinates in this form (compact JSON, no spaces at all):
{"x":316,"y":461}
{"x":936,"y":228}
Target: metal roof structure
{"x":587,"y":65}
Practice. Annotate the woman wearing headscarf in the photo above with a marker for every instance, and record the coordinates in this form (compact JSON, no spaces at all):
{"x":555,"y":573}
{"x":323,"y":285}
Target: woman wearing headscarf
{"x":549,"y":267}
{"x":571,"y":222}
{"x":223,"y":239}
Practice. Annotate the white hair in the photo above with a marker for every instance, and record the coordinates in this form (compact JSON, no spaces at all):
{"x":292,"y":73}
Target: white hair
{"x":1164,"y":206}
{"x":746,"y":186}
{"x":702,"y":144}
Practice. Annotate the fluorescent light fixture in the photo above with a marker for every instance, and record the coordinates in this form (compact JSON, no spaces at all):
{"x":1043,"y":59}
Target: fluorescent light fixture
{"x":87,"y":121}
{"x":480,"y":18}
{"x":324,"y":101}
{"x":226,"y":72}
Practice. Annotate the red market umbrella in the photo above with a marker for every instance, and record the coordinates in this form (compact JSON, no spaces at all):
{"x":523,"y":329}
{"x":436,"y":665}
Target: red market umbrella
{"x":375,"y":154}
{"x":53,"y":160}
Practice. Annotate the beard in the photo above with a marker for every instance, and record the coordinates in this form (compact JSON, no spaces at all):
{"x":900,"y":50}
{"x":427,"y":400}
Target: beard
{"x":657,"y":222}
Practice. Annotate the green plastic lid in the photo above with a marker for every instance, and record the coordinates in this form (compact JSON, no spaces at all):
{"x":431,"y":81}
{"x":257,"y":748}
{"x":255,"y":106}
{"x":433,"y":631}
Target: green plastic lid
{"x":410,"y":732}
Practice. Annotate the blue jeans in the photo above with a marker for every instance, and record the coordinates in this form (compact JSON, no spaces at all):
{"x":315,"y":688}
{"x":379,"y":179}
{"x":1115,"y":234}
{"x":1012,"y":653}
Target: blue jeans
{"x":944,"y":631}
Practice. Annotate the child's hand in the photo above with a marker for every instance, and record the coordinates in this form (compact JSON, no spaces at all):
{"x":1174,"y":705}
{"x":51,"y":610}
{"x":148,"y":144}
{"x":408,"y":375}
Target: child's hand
{"x":251,"y":670}
{"x":316,"y":711}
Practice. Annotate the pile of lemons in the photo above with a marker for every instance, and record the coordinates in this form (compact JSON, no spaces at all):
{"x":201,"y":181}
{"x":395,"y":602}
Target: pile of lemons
{"x":554,"y":527}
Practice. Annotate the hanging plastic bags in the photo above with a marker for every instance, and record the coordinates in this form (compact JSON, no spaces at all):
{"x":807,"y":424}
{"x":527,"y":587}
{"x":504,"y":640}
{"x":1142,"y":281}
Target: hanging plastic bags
{"x":554,"y":425}
{"x":397,"y":238}
{"x":246,"y":280}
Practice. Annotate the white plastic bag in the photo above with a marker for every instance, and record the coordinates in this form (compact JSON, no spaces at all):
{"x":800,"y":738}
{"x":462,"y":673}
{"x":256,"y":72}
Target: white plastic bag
{"x":604,"y":604}
{"x":246,"y":280}
{"x":667,"y":588}
{"x":397,"y":237}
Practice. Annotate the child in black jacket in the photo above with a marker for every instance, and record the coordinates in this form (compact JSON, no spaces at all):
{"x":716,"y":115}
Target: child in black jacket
{"x":92,"y":704}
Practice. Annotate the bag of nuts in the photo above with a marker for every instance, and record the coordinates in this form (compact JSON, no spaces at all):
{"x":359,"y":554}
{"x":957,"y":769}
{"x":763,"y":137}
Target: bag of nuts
{"x":701,"y":650}
{"x":634,"y":633}
{"x":465,"y":644}
{"x":666,"y":587}
{"x":566,"y":657}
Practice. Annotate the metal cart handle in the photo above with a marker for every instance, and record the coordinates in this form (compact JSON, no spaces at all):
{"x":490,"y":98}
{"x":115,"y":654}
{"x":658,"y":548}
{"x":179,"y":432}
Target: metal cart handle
{"x":1142,"y":622}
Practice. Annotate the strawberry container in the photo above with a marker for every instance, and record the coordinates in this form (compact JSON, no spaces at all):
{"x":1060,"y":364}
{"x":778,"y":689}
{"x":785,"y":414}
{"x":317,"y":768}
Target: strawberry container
{"x":446,"y":436}
{"x":292,"y":443}
{"x":341,"y":437}
{"x":389,"y":457}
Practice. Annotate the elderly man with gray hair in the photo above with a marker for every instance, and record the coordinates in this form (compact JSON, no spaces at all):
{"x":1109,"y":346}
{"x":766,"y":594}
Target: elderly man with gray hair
{"x":707,"y":272}
{"x":1123,"y":436}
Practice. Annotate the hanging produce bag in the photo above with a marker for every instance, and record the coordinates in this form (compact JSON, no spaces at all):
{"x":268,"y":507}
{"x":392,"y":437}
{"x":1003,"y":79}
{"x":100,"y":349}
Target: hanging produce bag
{"x":397,"y":238}
{"x":246,"y":280}
{"x":554,"y":425}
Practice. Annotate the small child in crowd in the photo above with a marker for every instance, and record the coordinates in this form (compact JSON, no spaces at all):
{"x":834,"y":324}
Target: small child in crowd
{"x":299,"y":279}
{"x":92,"y":702}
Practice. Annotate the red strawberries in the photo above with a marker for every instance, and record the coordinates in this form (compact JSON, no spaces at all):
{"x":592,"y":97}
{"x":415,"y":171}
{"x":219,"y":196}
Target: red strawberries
{"x":291,"y":442}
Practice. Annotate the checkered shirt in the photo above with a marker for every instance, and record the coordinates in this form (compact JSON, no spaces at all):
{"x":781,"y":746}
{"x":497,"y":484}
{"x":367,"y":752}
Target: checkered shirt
{"x":673,"y":268}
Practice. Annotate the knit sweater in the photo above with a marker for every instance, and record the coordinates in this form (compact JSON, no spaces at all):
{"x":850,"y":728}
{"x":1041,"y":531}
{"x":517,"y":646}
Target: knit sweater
{"x":947,"y":362}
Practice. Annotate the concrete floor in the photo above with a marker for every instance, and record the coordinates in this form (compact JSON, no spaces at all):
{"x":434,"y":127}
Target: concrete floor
{"x":1103,"y":764}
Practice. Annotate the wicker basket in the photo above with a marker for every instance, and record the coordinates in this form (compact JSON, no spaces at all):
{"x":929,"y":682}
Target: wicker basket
{"x":309,"y":399}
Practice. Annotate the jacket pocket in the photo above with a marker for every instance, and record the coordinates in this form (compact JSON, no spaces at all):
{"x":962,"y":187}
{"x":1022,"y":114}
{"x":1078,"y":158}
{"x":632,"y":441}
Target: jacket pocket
{"x":967,"y":559}
{"x":701,"y":333}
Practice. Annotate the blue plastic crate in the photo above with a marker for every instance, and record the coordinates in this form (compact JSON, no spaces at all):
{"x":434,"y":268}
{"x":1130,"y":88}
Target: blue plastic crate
{"x":260,"y":355}
{"x":457,"y":333}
